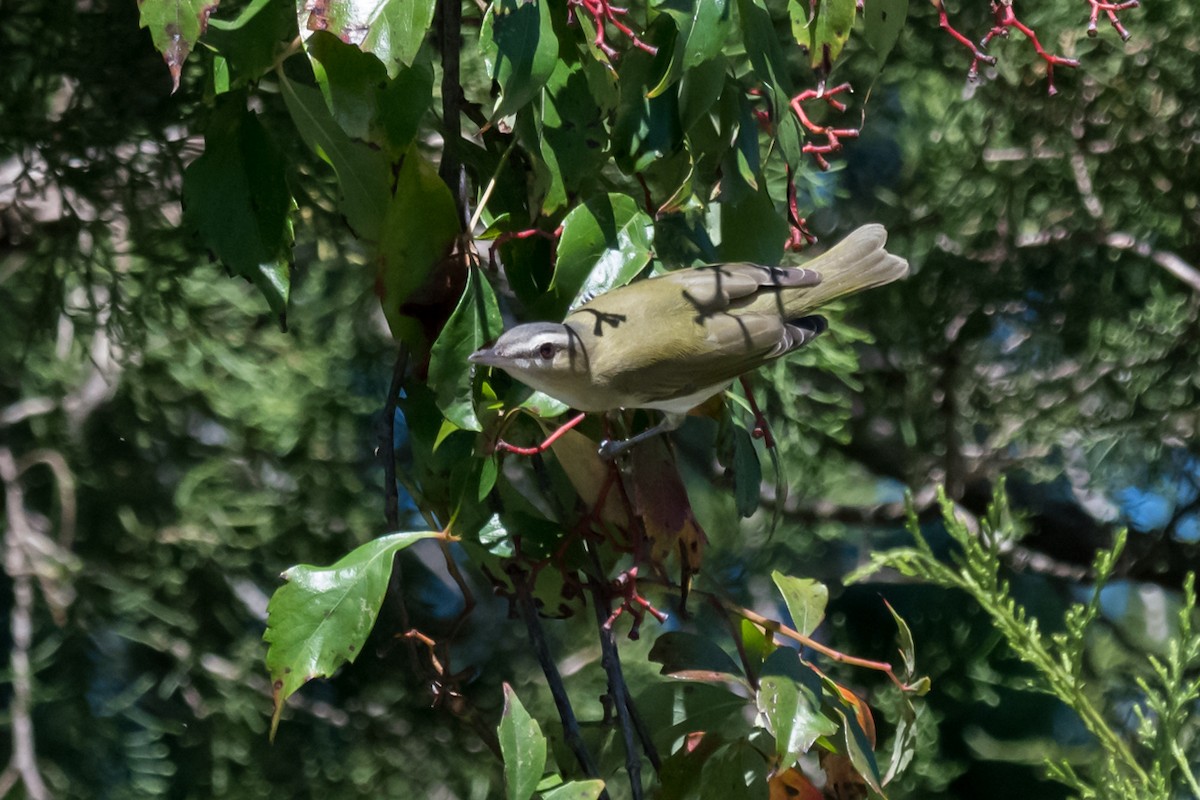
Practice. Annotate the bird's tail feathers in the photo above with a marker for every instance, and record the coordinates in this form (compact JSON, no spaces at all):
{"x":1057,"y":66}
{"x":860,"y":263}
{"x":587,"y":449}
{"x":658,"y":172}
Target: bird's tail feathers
{"x":856,"y":263}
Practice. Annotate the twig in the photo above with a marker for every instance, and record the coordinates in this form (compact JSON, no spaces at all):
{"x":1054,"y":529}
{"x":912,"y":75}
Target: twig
{"x":610,"y":659}
{"x":572,"y":735}
{"x":23,"y":765}
{"x":1111,"y":10}
{"x":1006,"y":18}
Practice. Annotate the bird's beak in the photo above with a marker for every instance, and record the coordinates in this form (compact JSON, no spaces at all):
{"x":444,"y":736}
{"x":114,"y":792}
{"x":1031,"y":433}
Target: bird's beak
{"x":487,"y":356}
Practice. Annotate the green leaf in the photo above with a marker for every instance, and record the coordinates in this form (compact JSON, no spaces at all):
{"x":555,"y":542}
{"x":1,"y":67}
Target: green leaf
{"x":830,"y":29}
{"x":362,"y":173}
{"x":789,"y":698}
{"x":475,"y":321}
{"x":687,"y":655}
{"x":320,"y":618}
{"x":576,"y":790}
{"x":747,"y":473}
{"x":237,"y":200}
{"x":736,"y":770}
{"x":674,"y":709}
{"x":393,"y":30}
{"x":770,"y":65}
{"x":519,"y":50}
{"x":419,"y":232}
{"x":699,"y":89}
{"x":251,"y":43}
{"x":364,"y":101}
{"x":349,"y":79}
{"x":904,"y":639}
{"x":858,"y":748}
{"x":805,"y":598}
{"x":756,"y":643}
{"x":175,"y":26}
{"x":523,"y":747}
{"x":882,"y":22}
{"x":752,"y":230}
{"x":605,"y":243}
{"x":703,"y":27}
{"x":573,"y":139}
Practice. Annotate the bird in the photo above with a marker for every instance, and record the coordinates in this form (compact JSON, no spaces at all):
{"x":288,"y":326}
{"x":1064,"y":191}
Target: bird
{"x":670,"y":342}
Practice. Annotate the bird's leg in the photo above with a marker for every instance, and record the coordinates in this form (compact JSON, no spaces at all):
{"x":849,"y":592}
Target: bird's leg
{"x":611,"y":448}
{"x":762,"y":430}
{"x":505,"y":447}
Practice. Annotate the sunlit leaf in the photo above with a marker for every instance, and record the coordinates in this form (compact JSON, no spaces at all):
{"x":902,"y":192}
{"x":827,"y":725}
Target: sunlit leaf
{"x":520,"y":50}
{"x":904,"y":638}
{"x":319,"y":619}
{"x":805,"y":598}
{"x":523,"y":747}
{"x":688,"y":655}
{"x":830,"y":29}
{"x":576,"y":790}
{"x":392,"y":30}
{"x":475,"y":321}
{"x":175,"y":26}
{"x":703,"y":26}
{"x":789,"y":698}
{"x":605,"y":243}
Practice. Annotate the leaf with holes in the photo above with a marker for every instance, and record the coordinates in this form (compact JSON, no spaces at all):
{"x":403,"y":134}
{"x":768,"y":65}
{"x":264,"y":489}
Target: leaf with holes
{"x":320,"y":618}
{"x":393,"y":30}
{"x":175,"y":26}
{"x":830,"y":29}
{"x":882,"y":22}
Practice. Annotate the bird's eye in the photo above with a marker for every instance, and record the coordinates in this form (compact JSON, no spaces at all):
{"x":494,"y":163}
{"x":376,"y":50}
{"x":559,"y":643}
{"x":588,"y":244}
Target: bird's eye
{"x":546,"y":351}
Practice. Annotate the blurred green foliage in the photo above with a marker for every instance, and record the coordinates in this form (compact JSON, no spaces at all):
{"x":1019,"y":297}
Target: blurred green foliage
{"x":1045,"y":336}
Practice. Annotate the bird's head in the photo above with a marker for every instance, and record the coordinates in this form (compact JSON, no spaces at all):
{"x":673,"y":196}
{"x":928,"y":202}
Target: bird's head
{"x":548,"y":356}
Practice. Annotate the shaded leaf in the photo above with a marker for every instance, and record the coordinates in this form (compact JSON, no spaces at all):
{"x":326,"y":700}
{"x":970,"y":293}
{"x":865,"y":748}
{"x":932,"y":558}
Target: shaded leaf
{"x":251,"y":43}
{"x":737,"y":770}
{"x":789,"y":699}
{"x":362,"y":173}
{"x":320,"y":617}
{"x":882,"y":22}
{"x":175,"y":26}
{"x":520,"y":50}
{"x":771,"y":67}
{"x":419,"y":231}
{"x":237,"y":200}
{"x":688,"y":655}
{"x":661,"y":500}
{"x":523,"y":747}
{"x":349,"y":79}
{"x":752,"y":230}
{"x":805,"y":598}
{"x":573,"y":138}
{"x":674,"y":709}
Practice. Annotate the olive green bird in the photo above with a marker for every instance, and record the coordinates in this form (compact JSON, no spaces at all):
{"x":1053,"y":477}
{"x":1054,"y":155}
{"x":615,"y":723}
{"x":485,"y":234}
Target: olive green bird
{"x":672,"y":341}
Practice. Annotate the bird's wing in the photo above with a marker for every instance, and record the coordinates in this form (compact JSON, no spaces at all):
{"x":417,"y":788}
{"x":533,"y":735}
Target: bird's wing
{"x":728,"y":345}
{"x":721,"y":286}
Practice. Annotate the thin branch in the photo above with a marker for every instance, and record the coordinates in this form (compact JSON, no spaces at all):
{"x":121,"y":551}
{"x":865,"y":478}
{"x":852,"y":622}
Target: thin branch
{"x":387,"y":449}
{"x":16,"y":565}
{"x":610,"y":659}
{"x":1169,"y":261}
{"x":572,"y":734}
